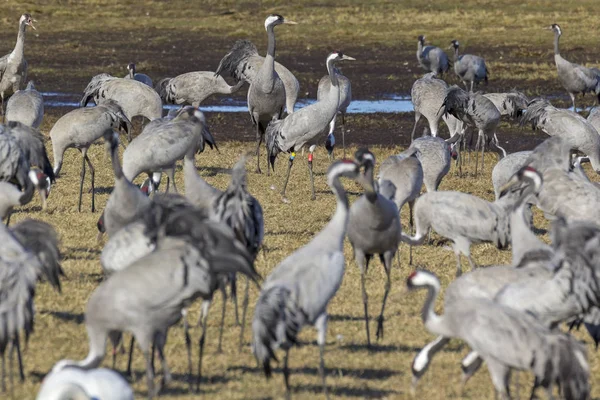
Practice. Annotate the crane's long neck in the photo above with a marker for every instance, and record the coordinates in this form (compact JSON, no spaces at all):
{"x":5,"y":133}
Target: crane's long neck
{"x":433,"y":322}
{"x":556,"y":39}
{"x":19,"y":49}
{"x":336,"y":228}
{"x":197,"y":190}
{"x":116,"y":164}
{"x":369,"y":172}
{"x":70,"y":391}
{"x":268,"y":67}
{"x":333,"y":75}
{"x":523,"y":239}
{"x":419,"y":48}
{"x":455,"y":53}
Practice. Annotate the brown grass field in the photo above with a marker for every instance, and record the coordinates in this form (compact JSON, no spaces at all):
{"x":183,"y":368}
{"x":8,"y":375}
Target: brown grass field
{"x":76,"y":40}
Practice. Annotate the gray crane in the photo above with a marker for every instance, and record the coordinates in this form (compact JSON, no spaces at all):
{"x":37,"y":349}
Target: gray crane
{"x":80,"y":128}
{"x":132,"y":74}
{"x":431,"y":58}
{"x":26,"y":106}
{"x":575,"y":78}
{"x":162,"y":143}
{"x":506,"y":168}
{"x":405,"y":172}
{"x":159,"y":286}
{"x":31,"y":142}
{"x":463,"y":218}
{"x":292,"y":133}
{"x":469,"y":68}
{"x":576,"y":130}
{"x":135,"y":98}
{"x":475,"y":110}
{"x":194,"y":87}
{"x":511,"y":103}
{"x":427,"y":95}
{"x":13,"y":66}
{"x":298,"y":290}
{"x":508,"y":339}
{"x":434,"y":154}
{"x":374,"y":228}
{"x":29,"y":253}
{"x":345,"y":99}
{"x":267,"y":92}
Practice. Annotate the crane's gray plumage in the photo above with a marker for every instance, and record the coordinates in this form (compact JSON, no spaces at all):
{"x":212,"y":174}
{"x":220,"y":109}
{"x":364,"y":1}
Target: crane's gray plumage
{"x":194,"y":87}
{"x":10,"y":197}
{"x":431,"y":58}
{"x":475,"y":110}
{"x":297,"y":129}
{"x":158,"y":286}
{"x":31,"y":142}
{"x":594,"y":118}
{"x":506,"y":168}
{"x":132,"y":74}
{"x":374,"y":228}
{"x":508,"y":339}
{"x":26,"y":106}
{"x":300,"y":287}
{"x":427,"y":95}
{"x":13,"y":66}
{"x":511,"y":103}
{"x":469,"y":68}
{"x":80,"y":128}
{"x":162,"y":143}
{"x":434,"y":154}
{"x":575,"y":78}
{"x":323,"y":90}
{"x":135,"y":98}
{"x":572,"y":127}
{"x":267,"y":91}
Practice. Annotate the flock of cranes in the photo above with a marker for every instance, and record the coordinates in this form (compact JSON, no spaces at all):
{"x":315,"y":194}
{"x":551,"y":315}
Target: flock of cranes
{"x":166,"y":250}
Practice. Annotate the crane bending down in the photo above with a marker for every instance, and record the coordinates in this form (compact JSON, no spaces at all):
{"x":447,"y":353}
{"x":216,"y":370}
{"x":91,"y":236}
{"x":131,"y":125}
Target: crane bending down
{"x":194,"y":87}
{"x":267,"y":91}
{"x":299,"y":289}
{"x":292,"y":133}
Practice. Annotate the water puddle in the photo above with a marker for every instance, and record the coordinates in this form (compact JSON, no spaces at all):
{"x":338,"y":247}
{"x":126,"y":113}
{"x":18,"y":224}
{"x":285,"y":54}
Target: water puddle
{"x":388,"y":104}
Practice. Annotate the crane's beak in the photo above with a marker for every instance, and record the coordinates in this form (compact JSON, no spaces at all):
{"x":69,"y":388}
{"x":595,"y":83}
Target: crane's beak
{"x":508,"y":185}
{"x":345,"y":57}
{"x":287,"y":21}
{"x":362,"y":180}
{"x":30,"y":23}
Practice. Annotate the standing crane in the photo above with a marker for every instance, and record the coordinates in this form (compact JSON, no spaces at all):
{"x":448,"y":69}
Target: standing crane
{"x":431,"y":58}
{"x":469,"y":68}
{"x":267,"y":92}
{"x":297,"y":129}
{"x":80,"y":128}
{"x":26,"y":106}
{"x":300,"y":287}
{"x":131,"y":74}
{"x":13,"y":66}
{"x":575,"y":78}
{"x":374,"y":228}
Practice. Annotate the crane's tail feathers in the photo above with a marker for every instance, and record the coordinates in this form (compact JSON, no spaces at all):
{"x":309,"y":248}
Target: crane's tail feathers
{"x":209,"y":139}
{"x":573,"y":371}
{"x":271,"y":133}
{"x":456,"y":102}
{"x":164,"y":90}
{"x":233,"y":62}
{"x":275,"y":323}
{"x":93,"y":87}
{"x":41,"y":239}
{"x":536,"y":112}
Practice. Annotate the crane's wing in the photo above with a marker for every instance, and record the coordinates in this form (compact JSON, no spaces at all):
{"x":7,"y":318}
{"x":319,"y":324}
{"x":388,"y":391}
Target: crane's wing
{"x":13,"y":162}
{"x":587,"y":75}
{"x":242,"y":62}
{"x":3,"y":64}
{"x":31,"y":142}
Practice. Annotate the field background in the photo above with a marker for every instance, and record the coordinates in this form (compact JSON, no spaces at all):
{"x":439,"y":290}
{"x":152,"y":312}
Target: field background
{"x":78,"y":39}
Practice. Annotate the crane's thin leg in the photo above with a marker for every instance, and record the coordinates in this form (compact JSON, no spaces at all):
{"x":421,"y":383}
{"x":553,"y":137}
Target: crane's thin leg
{"x":286,"y":374}
{"x":469,"y":365}
{"x":188,"y":346}
{"x":259,"y":139}
{"x":160,"y":346}
{"x":201,"y":343}
{"x":244,"y":311}
{"x":484,"y":140}
{"x":81,"y":177}
{"x":3,"y":372}
{"x":223,"y":308}
{"x":321,"y":325}
{"x":573,"y":101}
{"x":417,"y":118}
{"x":411,"y":205}
{"x":92,"y":175}
{"x":11,"y":382}
{"x":472,"y":86}
{"x":19,"y":358}
{"x":287,"y":176}
{"x":149,"y":374}
{"x":458,"y":266}
{"x":312,"y":179}
{"x":234,"y":297}
{"x":386,"y":260}
{"x":130,"y":358}
{"x":344,"y":133}
{"x":363,"y":263}
{"x":171,"y":175}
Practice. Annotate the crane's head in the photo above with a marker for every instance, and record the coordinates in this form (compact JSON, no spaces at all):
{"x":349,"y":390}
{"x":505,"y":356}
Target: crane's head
{"x":27,"y":20}
{"x":421,"y":278}
{"x":528,"y":177}
{"x":42,"y":183}
{"x":276,"y":19}
{"x":364,"y":156}
{"x":454,"y":44}
{"x":555,"y":28}
{"x":421,"y":39}
{"x":339,"y":56}
{"x":131,"y":67}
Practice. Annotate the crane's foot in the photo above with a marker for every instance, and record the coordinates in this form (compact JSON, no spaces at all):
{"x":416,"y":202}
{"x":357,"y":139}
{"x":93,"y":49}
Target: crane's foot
{"x":379,"y":333}
{"x":285,"y":200}
{"x":258,"y":170}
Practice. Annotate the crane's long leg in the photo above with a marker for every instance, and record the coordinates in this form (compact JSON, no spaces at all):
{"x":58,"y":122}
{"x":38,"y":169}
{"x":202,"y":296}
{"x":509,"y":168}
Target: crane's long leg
{"x":234,"y":297}
{"x":188,"y":346}
{"x":3,"y":372}
{"x":344,"y":133}
{"x":19,"y":358}
{"x":417,"y":118}
{"x":287,"y":176}
{"x":484,"y":140}
{"x":458,"y":266}
{"x":222,"y":327}
{"x":160,"y":341}
{"x":469,"y":365}
{"x":259,"y":139}
{"x":363,"y":263}
{"x":92,"y":175}
{"x":386,"y":260}
{"x":201,"y":342}
{"x":244,"y":311}
{"x":321,"y":325}
{"x":312,"y":179}
{"x":286,"y":374}
{"x":171,"y":175}
{"x":130,"y":357}
{"x":473,"y":81}
{"x":573,"y":101}
{"x":411,"y":205}
{"x":149,"y":373}
{"x":81,"y":178}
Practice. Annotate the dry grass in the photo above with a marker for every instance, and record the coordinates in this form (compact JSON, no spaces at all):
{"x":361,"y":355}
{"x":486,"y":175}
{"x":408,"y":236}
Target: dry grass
{"x":353,"y":371}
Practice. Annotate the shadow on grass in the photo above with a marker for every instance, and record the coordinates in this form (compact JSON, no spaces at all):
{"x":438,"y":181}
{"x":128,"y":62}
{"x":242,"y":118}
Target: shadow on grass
{"x":361,"y":373}
{"x":364,"y":392}
{"x":214,"y":171}
{"x":387,"y":348}
{"x":78,"y":318}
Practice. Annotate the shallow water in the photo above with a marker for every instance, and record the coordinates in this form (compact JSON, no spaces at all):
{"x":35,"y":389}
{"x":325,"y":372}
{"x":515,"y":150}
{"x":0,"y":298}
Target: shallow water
{"x":388,"y":104}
